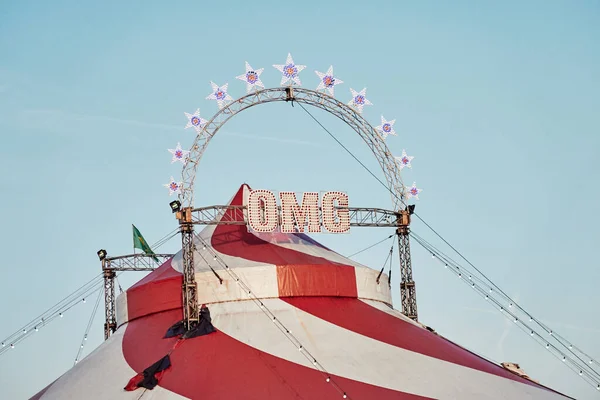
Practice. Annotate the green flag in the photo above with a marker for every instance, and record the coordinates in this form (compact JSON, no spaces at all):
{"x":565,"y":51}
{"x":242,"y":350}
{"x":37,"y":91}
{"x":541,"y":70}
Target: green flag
{"x":140,"y":243}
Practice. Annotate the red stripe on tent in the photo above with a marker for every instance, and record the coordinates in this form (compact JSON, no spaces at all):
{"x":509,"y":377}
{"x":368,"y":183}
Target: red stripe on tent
{"x":359,"y":317}
{"x":236,"y":241}
{"x":217,"y":366}
{"x":159,"y":291}
{"x":316,"y":280}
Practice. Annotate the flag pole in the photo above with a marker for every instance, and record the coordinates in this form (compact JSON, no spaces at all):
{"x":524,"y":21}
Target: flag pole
{"x":133,"y":236}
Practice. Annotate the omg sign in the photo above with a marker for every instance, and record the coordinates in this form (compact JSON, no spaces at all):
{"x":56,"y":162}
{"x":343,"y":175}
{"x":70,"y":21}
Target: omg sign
{"x":313,"y":212}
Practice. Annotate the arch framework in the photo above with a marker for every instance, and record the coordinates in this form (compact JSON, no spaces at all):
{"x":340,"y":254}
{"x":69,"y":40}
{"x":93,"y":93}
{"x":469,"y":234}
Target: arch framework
{"x":314,"y":98}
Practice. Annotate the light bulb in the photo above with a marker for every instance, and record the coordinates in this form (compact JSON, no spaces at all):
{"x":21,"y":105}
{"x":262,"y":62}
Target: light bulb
{"x":327,"y":380}
{"x":81,"y":346}
{"x":36,"y":329}
{"x":12,"y":346}
{"x":83,"y":300}
{"x":300,"y":348}
{"x":344,"y":396}
{"x":432,"y":255}
{"x":85,"y":337}
{"x":580,"y":372}
{"x":203,"y":247}
{"x":24,"y":330}
{"x":516,"y":320}
{"x":60,"y":314}
{"x":564,"y":359}
{"x":215,"y":258}
{"x":3,"y":344}
{"x":510,"y":305}
{"x":547,"y":345}
{"x":531,"y":333}
{"x":445,"y":265}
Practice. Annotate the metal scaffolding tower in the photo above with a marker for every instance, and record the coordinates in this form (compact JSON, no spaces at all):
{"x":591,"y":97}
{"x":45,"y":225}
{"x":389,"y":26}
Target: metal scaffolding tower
{"x":110,"y":267}
{"x":191,"y":311}
{"x":408,"y":291}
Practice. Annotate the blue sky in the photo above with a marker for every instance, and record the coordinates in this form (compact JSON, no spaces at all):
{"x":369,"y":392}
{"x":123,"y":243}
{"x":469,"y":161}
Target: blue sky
{"x":497,"y":102}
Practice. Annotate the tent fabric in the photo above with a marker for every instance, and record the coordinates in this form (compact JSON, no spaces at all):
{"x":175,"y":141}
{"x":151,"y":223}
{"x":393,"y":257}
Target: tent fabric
{"x":332,"y":305}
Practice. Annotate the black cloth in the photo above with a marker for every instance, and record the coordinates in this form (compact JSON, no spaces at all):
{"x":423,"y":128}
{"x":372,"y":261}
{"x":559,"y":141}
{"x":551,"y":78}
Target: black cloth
{"x":203,"y":327}
{"x":150,"y":377}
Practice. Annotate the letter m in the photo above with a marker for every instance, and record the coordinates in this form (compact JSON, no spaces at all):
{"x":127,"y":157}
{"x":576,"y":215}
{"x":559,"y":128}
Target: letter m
{"x":293,"y":215}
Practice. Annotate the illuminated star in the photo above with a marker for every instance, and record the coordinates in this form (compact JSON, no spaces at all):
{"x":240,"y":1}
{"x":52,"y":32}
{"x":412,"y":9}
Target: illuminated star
{"x":195,"y":121}
{"x":413,"y":191}
{"x":252,"y":78}
{"x":219,"y":93}
{"x":290,"y":71}
{"x":387,"y":127}
{"x":174,"y":187}
{"x":179,"y":154}
{"x":404,"y":160}
{"x":359,"y":100}
{"x":328,"y":81}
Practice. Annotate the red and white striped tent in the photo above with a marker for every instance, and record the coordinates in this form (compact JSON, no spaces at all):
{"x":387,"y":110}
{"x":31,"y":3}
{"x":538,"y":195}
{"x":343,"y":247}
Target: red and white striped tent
{"x":331,"y":304}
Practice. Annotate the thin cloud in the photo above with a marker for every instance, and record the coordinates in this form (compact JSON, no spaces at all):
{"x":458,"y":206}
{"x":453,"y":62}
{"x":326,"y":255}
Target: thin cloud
{"x":68,"y":116}
{"x":95,"y":118}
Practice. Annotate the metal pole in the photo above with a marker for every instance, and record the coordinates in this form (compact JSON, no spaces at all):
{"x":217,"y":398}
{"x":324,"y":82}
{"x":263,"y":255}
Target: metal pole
{"x":191,"y":312}
{"x":110,"y":323}
{"x":408,"y":292}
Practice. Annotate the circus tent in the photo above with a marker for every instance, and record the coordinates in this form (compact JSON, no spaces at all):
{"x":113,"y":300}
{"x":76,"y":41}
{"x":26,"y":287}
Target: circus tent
{"x":338,"y":310}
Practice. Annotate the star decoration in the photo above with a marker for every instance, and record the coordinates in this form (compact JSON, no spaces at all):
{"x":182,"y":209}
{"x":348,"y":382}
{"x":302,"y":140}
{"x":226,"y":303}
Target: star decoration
{"x":359,"y":100}
{"x":195,"y":121}
{"x":219,"y":93}
{"x":387,"y":127}
{"x":404,"y":160}
{"x":413,"y":191}
{"x":290,"y":71}
{"x":174,"y":187}
{"x":252,"y":78}
{"x":328,"y":81}
{"x":179,"y":154}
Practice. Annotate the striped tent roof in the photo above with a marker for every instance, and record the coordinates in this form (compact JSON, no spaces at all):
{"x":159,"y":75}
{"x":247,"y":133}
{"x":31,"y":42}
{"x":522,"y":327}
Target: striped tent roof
{"x":331,"y":304}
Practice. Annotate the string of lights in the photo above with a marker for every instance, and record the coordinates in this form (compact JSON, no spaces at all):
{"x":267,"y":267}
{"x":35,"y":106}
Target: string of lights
{"x":59,"y":309}
{"x":370,"y":247}
{"x":564,"y":343}
{"x":510,"y":310}
{"x":286,"y":332}
{"x":47,"y":318}
{"x":165,"y":238}
{"x":87,"y":329}
{"x":79,"y":295}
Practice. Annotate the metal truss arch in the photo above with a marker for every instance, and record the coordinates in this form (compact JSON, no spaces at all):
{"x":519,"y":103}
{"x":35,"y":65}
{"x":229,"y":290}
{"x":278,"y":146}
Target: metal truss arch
{"x":344,"y":112}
